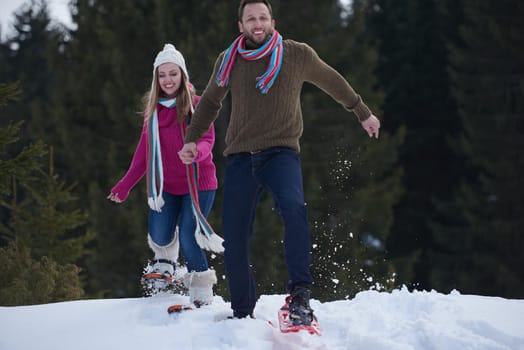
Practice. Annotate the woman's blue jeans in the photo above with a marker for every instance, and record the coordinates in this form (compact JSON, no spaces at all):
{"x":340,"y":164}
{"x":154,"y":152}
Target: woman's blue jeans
{"x":177,"y":211}
{"x":247,"y":175}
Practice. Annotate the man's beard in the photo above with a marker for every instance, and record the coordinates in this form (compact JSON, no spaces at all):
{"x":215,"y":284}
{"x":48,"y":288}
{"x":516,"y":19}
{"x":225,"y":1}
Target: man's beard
{"x":251,"y":43}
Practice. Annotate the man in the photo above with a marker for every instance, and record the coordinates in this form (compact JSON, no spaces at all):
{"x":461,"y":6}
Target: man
{"x":264,"y":75}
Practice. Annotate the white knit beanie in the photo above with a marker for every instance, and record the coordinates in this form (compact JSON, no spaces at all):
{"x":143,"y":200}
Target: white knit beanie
{"x":171,"y":55}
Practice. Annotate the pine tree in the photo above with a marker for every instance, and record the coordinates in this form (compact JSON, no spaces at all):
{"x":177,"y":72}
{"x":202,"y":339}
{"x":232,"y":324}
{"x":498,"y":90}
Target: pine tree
{"x":26,"y":280}
{"x":15,"y":163}
{"x":44,"y":220}
{"x":412,"y":70}
{"x":481,"y":240}
{"x":30,"y":277}
{"x":29,"y":55}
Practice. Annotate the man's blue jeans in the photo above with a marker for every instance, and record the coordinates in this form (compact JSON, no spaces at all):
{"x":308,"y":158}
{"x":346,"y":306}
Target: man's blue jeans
{"x":177,"y":211}
{"x":247,"y":175}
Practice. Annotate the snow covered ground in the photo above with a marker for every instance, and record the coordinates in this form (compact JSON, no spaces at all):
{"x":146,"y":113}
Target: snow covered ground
{"x":400,"y":320}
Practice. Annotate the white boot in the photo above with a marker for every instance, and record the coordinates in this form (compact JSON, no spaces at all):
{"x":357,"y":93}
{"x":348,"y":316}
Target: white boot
{"x":200,"y":286}
{"x":165,"y":256}
{"x":161,"y":275}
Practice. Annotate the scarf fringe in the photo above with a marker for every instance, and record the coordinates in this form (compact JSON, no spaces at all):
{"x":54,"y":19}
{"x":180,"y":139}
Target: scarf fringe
{"x":211,"y":243}
{"x":156,"y":204}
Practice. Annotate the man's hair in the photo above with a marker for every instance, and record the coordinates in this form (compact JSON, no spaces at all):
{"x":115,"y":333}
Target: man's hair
{"x":243,"y":4}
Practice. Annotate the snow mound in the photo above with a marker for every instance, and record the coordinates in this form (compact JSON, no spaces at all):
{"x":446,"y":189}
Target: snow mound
{"x":400,"y":320}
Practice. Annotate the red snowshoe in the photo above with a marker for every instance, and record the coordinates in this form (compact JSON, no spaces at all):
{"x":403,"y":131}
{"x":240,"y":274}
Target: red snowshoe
{"x":296,"y":314}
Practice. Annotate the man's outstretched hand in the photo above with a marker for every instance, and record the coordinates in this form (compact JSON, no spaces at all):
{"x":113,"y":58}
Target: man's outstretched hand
{"x":372,"y":126}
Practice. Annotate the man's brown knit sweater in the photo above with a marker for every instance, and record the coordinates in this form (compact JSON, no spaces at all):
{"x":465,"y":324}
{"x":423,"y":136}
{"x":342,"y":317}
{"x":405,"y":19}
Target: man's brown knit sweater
{"x":259,"y":121}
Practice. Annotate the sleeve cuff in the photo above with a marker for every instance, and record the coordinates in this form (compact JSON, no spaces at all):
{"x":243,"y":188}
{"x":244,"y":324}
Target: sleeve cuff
{"x":362,"y":111}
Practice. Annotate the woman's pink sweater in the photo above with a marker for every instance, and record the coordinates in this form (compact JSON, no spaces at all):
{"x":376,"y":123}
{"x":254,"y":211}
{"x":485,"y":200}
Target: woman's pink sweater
{"x":175,"y":178}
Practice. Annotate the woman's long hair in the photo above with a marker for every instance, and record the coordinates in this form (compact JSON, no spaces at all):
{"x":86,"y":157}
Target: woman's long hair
{"x":184,"y":97}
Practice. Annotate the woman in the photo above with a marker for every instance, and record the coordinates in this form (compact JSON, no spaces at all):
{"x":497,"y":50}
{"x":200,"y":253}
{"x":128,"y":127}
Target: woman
{"x":168,"y":106}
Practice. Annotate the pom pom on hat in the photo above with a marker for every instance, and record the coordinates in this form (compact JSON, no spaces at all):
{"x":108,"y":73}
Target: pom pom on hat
{"x":171,"y":55}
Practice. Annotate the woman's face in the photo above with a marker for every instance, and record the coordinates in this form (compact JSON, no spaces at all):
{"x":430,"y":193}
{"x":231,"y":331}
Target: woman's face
{"x":169,"y":78}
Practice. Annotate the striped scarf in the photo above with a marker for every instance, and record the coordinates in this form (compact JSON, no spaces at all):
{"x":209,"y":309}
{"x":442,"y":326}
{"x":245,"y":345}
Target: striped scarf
{"x":272,"y":46}
{"x":205,"y":237}
{"x":155,"y":172}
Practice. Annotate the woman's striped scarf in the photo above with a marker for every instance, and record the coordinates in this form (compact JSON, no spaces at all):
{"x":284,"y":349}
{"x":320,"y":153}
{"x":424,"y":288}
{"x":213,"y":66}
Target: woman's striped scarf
{"x":205,"y":237}
{"x":155,"y":173}
{"x":273,"y":46}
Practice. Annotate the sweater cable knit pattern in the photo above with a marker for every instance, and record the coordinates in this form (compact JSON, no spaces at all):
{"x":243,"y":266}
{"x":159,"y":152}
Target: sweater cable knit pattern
{"x":272,"y":119}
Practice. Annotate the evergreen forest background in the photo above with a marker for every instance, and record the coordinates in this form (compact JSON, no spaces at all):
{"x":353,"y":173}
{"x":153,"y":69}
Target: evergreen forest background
{"x":435,"y":203}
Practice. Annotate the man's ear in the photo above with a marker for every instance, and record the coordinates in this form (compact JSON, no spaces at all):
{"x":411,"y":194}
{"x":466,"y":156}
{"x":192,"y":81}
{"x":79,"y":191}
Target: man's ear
{"x":240,"y":27}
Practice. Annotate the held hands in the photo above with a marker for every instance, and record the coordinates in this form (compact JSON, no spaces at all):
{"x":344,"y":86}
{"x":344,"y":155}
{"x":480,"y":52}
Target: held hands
{"x":372,"y":126}
{"x":188,"y":153}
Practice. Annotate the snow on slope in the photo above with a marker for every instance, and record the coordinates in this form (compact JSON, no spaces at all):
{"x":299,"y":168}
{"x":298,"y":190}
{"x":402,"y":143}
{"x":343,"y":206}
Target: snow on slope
{"x":400,"y":320}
